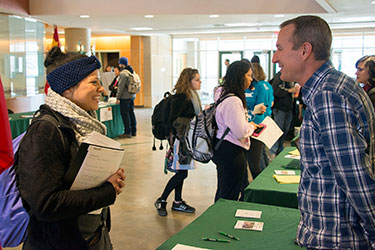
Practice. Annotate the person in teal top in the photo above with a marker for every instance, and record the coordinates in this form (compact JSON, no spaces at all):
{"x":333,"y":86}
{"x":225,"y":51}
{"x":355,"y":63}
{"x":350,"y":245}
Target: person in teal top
{"x":261,"y":77}
{"x":256,"y":94}
{"x":256,"y":97}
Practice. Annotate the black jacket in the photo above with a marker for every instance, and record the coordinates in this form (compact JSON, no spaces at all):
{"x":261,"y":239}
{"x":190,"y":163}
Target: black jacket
{"x":113,"y":88}
{"x":180,"y":107}
{"x":53,"y":209}
{"x":283,"y":99}
{"x":181,"y":112}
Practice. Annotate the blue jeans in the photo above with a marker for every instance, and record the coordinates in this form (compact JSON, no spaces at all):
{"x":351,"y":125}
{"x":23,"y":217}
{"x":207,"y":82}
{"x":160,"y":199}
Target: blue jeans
{"x":283,"y":120}
{"x":128,"y":116}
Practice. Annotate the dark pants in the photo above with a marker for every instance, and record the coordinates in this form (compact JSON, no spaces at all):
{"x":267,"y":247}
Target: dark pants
{"x":264,"y":160}
{"x":254,"y":155}
{"x":128,"y":116}
{"x":283,"y":120}
{"x":230,"y":161}
{"x":176,"y":183}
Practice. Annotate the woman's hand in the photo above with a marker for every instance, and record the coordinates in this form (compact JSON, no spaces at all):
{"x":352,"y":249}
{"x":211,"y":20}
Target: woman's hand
{"x":255,"y":125}
{"x":259,"y":109}
{"x":118,"y":180}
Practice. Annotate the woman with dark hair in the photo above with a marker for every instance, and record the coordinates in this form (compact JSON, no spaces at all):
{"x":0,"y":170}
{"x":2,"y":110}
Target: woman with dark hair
{"x":59,"y":217}
{"x":366,"y":75}
{"x":230,"y":157}
{"x":184,"y":106}
{"x":114,"y":85}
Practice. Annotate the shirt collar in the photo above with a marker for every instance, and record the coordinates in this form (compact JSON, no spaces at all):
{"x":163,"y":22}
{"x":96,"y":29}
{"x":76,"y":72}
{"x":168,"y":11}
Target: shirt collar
{"x":314,"y":81}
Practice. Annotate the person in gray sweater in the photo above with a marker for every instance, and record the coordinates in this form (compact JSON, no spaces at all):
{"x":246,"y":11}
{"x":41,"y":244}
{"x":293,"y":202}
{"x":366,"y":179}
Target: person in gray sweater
{"x":126,"y":99}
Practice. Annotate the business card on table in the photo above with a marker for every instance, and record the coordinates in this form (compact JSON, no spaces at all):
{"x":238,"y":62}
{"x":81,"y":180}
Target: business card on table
{"x":248,"y":213}
{"x":249,"y":225}
{"x":286,"y":172}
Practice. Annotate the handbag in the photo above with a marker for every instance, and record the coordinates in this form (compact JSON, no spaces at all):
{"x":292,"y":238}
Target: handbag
{"x":172,"y":162}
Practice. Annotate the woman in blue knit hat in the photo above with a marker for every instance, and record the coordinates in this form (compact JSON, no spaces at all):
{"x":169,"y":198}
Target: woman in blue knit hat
{"x":59,"y":217}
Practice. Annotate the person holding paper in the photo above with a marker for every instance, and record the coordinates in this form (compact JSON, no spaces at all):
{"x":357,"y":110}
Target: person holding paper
{"x":58,"y":216}
{"x":230,"y":157}
{"x":256,"y":101}
{"x":184,"y":106}
{"x":336,"y":195}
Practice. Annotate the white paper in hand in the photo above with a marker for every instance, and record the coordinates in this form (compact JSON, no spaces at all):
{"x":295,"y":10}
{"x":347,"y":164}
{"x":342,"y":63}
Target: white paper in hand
{"x":258,"y":109}
{"x":101,"y":159}
{"x":271,"y":133}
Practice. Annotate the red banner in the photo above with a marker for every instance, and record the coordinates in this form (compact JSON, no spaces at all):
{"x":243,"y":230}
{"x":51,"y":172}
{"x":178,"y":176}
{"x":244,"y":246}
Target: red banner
{"x":55,"y":39}
{"x":6,"y":146}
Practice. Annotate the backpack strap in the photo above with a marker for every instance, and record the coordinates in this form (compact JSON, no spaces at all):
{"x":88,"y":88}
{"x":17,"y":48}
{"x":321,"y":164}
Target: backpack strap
{"x":55,"y":123}
{"x":227,"y":129}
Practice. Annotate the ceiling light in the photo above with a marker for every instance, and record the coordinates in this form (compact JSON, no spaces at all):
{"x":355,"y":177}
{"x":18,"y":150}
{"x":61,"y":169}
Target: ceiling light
{"x":84,"y":16}
{"x":240,"y":24}
{"x":372,"y":2}
{"x":279,"y":15}
{"x":141,"y":28}
{"x":149,"y":16}
{"x":213,"y":16}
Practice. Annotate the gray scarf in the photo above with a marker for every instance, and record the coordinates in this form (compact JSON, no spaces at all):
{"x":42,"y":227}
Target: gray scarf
{"x":196,"y":102}
{"x":84,"y":122}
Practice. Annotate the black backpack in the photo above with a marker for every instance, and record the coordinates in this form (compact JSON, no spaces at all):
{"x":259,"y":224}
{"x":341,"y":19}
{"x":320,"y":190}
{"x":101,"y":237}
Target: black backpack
{"x":159,"y":119}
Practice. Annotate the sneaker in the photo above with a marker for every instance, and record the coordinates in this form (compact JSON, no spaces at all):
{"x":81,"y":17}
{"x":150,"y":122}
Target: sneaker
{"x":125,"y":136}
{"x":182,"y":207}
{"x":161,"y":206}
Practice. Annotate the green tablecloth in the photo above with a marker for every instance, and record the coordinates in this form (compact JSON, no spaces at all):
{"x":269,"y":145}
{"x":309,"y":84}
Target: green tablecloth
{"x":115,"y":127}
{"x":266,"y":190}
{"x":279,"y":231}
{"x":20,"y":122}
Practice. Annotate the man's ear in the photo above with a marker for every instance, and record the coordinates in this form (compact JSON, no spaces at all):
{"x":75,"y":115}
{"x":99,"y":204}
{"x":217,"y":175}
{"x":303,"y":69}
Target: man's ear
{"x":306,"y":50}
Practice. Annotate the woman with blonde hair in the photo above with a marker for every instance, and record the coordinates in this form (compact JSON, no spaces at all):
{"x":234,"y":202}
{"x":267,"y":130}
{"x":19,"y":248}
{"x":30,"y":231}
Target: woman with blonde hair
{"x":184,"y":106}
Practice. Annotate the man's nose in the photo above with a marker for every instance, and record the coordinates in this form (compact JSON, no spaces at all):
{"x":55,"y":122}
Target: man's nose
{"x":275,"y":58}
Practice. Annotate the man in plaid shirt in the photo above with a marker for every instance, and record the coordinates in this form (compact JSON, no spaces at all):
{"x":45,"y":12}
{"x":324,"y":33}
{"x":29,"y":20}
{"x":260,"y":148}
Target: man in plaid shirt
{"x":337,"y":188}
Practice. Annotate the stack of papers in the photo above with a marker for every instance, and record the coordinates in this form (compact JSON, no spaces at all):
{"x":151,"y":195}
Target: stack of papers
{"x":287,"y":179}
{"x":249,"y":225}
{"x":97,"y":159}
{"x":248,"y":213}
{"x":285,"y":172}
{"x":186,"y":247}
{"x":294,"y":152}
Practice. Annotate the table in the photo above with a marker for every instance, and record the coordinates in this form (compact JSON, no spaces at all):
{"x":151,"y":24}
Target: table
{"x":20,"y":122}
{"x":115,"y":127}
{"x":266,"y":190}
{"x":279,"y":231}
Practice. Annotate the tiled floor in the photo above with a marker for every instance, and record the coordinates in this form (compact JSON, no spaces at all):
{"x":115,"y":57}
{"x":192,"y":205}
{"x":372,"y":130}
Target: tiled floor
{"x":135,"y":223}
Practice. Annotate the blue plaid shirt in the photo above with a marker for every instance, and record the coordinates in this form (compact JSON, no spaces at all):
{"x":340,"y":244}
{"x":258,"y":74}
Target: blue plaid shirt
{"x":337,"y":190}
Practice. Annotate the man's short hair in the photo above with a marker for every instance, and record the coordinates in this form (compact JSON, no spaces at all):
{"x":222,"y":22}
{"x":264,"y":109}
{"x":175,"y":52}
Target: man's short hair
{"x":314,"y":30}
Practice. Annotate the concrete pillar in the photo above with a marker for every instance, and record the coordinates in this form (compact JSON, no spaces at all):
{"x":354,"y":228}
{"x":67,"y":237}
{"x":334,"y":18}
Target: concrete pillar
{"x":76,"y":36}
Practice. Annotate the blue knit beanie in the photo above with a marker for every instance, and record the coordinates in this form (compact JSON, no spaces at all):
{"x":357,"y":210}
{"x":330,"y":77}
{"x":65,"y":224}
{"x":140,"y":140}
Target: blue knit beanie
{"x":69,"y":74}
{"x":123,"y":60}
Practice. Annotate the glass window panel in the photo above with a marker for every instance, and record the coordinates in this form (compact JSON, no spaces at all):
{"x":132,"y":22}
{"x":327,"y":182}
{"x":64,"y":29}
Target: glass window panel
{"x":231,"y":45}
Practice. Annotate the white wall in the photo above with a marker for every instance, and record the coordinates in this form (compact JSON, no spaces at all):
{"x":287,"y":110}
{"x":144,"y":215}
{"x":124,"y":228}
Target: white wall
{"x":158,"y":68}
